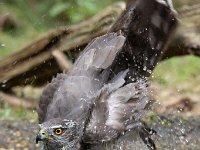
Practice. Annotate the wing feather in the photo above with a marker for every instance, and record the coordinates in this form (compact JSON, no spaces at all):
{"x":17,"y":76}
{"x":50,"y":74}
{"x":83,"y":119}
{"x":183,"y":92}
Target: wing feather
{"x":126,"y":104}
{"x":101,"y":52}
{"x":47,"y":96}
{"x":70,"y":95}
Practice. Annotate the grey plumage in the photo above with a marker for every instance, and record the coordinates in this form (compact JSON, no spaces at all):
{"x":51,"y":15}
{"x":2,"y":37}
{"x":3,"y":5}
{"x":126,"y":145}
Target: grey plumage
{"x":104,"y":95}
{"x":72,"y":96}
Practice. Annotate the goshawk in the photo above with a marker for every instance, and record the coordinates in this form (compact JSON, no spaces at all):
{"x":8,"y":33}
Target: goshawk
{"x":106,"y":93}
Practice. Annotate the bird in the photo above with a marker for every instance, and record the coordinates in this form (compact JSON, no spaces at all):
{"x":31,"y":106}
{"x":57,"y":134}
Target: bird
{"x":106,"y":92}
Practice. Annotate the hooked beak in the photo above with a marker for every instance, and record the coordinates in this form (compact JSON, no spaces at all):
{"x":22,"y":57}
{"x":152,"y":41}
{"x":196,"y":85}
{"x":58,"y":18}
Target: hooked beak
{"x":41,"y":136}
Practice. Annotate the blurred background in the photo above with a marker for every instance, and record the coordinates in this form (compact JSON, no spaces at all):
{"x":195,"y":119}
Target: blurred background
{"x":30,"y":18}
{"x":175,"y":81}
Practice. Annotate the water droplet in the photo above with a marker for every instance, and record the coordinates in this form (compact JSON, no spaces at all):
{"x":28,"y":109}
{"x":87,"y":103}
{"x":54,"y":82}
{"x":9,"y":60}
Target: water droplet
{"x":149,"y":71}
{"x":145,"y":68}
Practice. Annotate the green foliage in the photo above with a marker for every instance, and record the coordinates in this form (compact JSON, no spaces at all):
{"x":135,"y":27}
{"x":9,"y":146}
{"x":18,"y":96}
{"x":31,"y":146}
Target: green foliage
{"x":9,"y":113}
{"x":76,"y":10}
{"x":15,"y":40}
{"x":38,"y":16}
{"x":59,"y":8}
{"x":5,"y":113}
{"x":177,"y":70}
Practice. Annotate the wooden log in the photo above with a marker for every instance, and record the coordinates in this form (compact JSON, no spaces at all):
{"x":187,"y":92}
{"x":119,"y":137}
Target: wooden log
{"x":186,"y":40}
{"x":15,"y":101}
{"x":63,"y":62}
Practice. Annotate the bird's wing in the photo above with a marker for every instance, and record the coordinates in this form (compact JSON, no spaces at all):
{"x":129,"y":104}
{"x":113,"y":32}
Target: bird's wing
{"x":118,"y":108}
{"x":70,"y":95}
{"x":100,"y":53}
{"x":147,"y":26}
{"x":47,"y":96}
{"x":128,"y":105}
{"x":96,"y":129}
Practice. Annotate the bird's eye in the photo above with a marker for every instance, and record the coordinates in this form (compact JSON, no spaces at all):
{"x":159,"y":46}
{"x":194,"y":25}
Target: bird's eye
{"x":58,"y":131}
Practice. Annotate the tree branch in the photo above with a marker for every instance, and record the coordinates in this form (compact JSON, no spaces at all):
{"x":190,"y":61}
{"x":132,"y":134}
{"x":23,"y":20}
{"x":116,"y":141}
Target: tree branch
{"x":15,"y":101}
{"x":63,"y":62}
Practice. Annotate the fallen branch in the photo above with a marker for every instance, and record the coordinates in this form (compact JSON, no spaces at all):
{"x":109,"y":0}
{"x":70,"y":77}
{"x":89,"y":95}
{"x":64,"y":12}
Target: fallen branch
{"x":189,"y":43}
{"x":63,"y":62}
{"x":15,"y":101}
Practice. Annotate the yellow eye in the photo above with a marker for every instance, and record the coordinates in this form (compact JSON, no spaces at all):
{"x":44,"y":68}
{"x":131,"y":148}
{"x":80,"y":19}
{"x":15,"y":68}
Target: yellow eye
{"x":58,"y":131}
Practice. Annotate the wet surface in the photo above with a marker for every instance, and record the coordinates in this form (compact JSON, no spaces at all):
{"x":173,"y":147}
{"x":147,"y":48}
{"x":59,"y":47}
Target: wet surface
{"x":17,"y":135}
{"x":177,"y":133}
{"x":172,"y":133}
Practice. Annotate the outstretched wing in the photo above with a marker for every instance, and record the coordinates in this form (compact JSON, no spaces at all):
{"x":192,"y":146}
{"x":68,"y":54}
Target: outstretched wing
{"x":127,"y":105}
{"x":47,"y":96}
{"x":147,"y":26}
{"x":99,"y":54}
{"x":118,"y":109}
{"x":69,"y":95}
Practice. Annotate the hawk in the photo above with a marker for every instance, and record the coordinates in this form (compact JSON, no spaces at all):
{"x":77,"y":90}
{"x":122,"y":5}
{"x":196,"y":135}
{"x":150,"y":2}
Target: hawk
{"x":106,"y":91}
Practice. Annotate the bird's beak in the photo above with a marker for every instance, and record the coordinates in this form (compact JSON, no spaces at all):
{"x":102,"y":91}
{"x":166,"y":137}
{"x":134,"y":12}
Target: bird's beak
{"x":41,"y":136}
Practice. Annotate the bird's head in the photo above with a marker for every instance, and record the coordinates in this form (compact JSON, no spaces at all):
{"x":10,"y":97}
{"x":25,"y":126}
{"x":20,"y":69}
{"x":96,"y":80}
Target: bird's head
{"x":58,"y":133}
